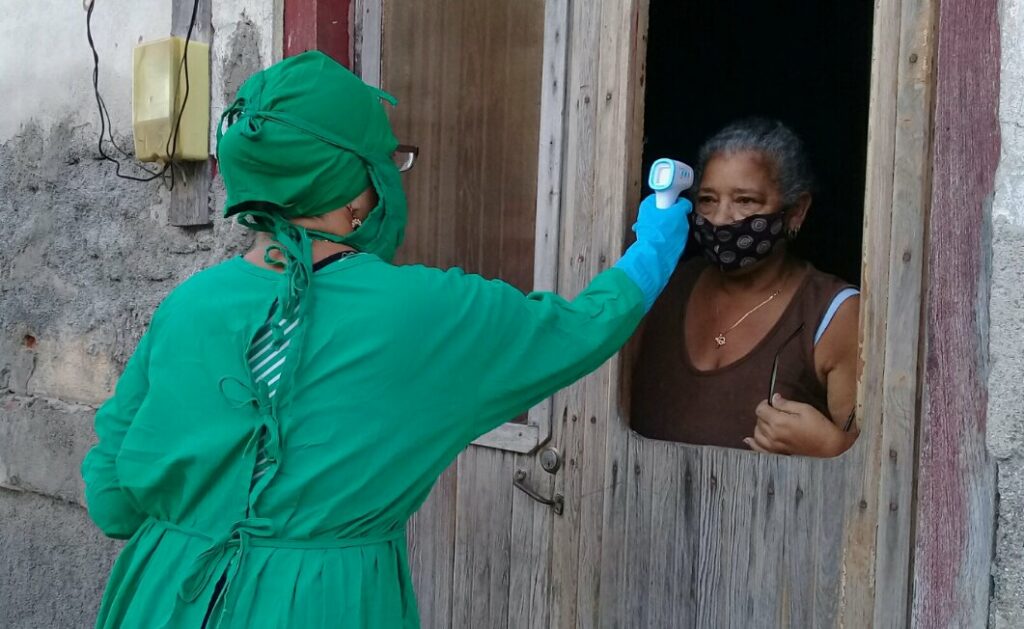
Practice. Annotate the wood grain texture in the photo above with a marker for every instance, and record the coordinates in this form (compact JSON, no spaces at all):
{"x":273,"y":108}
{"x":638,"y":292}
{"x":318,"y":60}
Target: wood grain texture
{"x":619,"y":453}
{"x":431,"y":539}
{"x":857,"y":584}
{"x":900,"y":389}
{"x":322,"y":25}
{"x":726,"y":538}
{"x":530,"y":590}
{"x":189,"y":204}
{"x":483,"y":539}
{"x":658,"y":534}
{"x":956,"y":485}
{"x":468,"y":76}
{"x":471,"y":74}
{"x":368,"y":22}
{"x":577,"y":265}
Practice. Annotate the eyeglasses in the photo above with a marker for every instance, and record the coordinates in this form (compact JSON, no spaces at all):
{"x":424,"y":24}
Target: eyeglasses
{"x":775,"y":375}
{"x":405,"y":156}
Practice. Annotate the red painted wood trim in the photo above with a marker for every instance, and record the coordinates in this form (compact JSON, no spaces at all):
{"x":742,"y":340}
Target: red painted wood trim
{"x":323,"y":25}
{"x":956,"y":491}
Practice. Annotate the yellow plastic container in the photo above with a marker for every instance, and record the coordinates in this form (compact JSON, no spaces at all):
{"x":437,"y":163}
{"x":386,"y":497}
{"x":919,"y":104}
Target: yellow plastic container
{"x":157,"y":95}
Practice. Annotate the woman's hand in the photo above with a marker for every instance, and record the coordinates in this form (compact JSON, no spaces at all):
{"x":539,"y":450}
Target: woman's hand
{"x":787,"y":427}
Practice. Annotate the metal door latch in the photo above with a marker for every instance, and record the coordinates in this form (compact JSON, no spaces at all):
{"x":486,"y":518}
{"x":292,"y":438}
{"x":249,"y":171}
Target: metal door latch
{"x":550,"y":460}
{"x":557,"y":502}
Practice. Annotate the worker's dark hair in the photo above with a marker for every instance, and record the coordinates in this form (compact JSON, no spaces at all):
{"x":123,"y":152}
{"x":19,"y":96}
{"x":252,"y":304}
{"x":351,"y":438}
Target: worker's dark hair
{"x":772,"y":139}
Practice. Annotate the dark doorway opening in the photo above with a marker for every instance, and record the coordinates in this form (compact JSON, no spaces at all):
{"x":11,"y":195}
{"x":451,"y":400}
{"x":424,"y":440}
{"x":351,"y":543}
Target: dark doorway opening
{"x":805,"y":63}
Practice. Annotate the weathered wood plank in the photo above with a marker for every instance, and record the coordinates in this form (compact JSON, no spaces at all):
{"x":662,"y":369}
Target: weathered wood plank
{"x":483,"y":540}
{"x":468,"y":78}
{"x":513,"y":437}
{"x":766,"y":543}
{"x":181,"y":18}
{"x":684,"y":565}
{"x":638,"y":528}
{"x":832,"y":481}
{"x":660,"y":581}
{"x":529,"y":594}
{"x":861,"y":600}
{"x":550,"y":166}
{"x":798,"y":547}
{"x":619,"y":463}
{"x":431,"y":539}
{"x":318,"y":25}
{"x":367,"y":29}
{"x":902,"y":354}
{"x":190,"y":198}
{"x":616,"y":95}
{"x":713,"y":554}
{"x":956,"y":485}
{"x":575,"y":271}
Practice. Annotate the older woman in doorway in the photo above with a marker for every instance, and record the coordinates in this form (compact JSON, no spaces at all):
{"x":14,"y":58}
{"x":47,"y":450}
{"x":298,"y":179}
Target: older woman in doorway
{"x":756,"y":348}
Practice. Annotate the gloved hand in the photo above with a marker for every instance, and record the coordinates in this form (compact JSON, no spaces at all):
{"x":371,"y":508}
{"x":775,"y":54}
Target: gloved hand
{"x":660,"y":239}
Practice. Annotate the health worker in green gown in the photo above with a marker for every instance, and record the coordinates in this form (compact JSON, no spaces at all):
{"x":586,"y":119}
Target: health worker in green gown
{"x":288,"y":411}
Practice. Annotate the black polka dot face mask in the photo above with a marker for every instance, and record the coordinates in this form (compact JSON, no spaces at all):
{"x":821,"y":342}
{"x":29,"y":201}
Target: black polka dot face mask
{"x":740,"y":244}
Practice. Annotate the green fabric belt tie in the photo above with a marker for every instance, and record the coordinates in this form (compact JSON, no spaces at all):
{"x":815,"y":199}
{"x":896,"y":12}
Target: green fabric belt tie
{"x":250,"y":533}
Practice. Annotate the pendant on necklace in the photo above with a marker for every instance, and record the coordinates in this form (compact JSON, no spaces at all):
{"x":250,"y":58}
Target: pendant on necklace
{"x":719,"y":341}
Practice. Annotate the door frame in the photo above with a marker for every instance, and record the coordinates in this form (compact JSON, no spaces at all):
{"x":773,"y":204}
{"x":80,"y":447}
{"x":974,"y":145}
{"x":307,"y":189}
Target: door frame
{"x":919,"y":537}
{"x":919,"y":532}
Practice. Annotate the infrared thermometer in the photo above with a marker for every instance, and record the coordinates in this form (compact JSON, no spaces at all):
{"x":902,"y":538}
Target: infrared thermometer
{"x":668,"y":179}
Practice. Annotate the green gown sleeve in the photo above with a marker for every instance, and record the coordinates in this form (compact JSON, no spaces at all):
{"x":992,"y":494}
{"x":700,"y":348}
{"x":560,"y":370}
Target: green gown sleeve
{"x":498,"y":352}
{"x":109,"y":506}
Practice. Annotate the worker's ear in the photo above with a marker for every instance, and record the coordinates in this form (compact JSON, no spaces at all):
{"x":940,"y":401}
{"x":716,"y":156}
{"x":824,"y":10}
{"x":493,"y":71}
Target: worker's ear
{"x":364,"y":203}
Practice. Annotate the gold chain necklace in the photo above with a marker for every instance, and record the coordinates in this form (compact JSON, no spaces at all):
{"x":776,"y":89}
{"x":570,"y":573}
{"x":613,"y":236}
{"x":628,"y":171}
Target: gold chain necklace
{"x":720,"y":339}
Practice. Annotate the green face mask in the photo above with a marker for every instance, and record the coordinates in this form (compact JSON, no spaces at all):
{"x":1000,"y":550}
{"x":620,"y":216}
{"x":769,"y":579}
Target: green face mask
{"x":305,"y":137}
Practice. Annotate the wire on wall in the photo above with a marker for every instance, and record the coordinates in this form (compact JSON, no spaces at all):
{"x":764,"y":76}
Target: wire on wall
{"x":106,"y":127}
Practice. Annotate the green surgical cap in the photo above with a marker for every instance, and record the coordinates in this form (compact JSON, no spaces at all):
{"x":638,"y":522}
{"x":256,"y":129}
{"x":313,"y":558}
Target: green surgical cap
{"x":305,"y":137}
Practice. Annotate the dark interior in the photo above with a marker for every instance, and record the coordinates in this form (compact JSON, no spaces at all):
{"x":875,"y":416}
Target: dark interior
{"x":805,"y":63}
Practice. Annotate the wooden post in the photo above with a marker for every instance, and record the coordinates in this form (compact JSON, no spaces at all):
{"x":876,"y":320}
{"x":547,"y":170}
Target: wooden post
{"x":190,"y":198}
{"x":956,"y":477}
{"x":318,"y":25}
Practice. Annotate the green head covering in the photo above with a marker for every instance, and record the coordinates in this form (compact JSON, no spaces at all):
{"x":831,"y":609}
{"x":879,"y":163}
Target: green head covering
{"x":305,"y":137}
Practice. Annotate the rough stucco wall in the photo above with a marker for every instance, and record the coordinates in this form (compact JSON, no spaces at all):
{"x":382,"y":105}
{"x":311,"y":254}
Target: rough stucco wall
{"x":86,"y":257}
{"x":1006,"y":380}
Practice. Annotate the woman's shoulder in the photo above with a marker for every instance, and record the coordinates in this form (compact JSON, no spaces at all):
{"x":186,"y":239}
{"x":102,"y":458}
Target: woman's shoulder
{"x":822,"y":289}
{"x":831,"y":301}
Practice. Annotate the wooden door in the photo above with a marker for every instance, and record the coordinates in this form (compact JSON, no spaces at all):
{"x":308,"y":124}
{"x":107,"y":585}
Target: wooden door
{"x":470,"y":76}
{"x":653,"y":534}
{"x":660,"y":534}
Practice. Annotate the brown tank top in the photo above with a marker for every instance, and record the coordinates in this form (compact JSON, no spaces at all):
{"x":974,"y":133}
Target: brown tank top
{"x":672,"y":400}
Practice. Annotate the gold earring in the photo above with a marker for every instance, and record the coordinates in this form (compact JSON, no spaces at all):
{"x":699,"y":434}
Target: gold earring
{"x":356,"y":222}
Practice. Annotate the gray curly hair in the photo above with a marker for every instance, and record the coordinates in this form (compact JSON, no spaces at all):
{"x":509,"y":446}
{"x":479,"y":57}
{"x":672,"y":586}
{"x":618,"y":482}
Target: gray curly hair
{"x":773,"y":140}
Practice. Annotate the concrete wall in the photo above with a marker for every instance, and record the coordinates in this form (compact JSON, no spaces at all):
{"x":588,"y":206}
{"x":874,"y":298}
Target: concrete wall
{"x":85,"y":258}
{"x":1006,"y":379}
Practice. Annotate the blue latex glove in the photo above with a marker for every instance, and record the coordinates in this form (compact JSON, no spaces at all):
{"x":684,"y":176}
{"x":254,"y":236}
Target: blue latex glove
{"x":660,"y":239}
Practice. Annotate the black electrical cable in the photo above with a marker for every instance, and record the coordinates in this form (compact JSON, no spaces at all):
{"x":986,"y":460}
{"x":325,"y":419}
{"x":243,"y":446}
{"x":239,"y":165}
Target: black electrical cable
{"x":172,"y":141}
{"x":106,"y":126}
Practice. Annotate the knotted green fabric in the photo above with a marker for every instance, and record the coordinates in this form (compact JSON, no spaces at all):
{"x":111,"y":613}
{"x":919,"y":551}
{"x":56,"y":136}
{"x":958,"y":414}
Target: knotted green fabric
{"x":303,"y":138}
